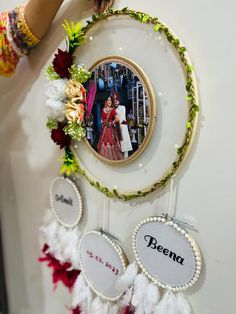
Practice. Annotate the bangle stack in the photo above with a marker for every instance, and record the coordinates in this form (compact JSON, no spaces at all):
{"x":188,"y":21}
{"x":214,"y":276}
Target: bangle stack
{"x":20,"y":32}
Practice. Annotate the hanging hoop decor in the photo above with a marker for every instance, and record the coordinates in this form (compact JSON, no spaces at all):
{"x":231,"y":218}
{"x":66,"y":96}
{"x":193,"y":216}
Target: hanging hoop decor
{"x":166,"y":254}
{"x":65,"y":202}
{"x":67,"y":107}
{"x":102,"y":262}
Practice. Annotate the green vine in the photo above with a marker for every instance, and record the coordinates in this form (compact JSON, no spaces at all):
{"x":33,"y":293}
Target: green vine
{"x":191,"y":97}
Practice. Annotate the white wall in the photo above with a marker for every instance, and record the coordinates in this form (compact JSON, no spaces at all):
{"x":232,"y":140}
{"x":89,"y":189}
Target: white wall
{"x":206,"y":195}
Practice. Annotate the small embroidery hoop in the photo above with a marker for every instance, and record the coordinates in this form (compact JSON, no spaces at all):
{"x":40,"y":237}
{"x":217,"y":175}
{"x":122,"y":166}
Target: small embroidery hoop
{"x":182,"y":232}
{"x":116,"y":247}
{"x":78,"y":196}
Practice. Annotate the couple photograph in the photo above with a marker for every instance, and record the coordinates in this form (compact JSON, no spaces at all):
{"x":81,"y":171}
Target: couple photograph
{"x":114,"y":141}
{"x":117,"y":113}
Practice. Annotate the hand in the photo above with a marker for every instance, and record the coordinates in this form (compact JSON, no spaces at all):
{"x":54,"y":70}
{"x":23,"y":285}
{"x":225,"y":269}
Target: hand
{"x":102,"y":5}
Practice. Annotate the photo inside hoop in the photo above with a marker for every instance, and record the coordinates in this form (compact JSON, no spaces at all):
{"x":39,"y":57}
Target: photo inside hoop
{"x":118,"y":110}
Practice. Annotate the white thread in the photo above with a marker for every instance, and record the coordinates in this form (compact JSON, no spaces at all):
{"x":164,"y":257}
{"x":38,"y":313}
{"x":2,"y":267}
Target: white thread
{"x":106,"y":212}
{"x":172,"y":195}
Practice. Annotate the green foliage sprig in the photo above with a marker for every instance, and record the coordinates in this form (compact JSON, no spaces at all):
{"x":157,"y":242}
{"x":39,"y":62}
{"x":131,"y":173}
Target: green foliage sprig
{"x":51,"y":74}
{"x":75,"y":33}
{"x":75,"y":130}
{"x":70,"y":165}
{"x":79,"y":73}
{"x":52,"y":123}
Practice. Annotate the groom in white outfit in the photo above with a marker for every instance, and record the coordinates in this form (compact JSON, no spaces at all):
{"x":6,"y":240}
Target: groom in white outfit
{"x":125,"y":144}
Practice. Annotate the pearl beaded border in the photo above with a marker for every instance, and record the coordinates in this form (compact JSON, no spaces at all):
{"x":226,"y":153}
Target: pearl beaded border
{"x":193,"y":244}
{"x":116,"y":247}
{"x":75,"y":189}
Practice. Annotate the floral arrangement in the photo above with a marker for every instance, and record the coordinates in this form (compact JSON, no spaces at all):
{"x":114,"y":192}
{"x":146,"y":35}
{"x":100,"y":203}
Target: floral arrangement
{"x":67,"y":96}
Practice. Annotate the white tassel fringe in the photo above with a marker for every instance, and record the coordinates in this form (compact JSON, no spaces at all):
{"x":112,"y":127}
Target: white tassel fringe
{"x":151,"y":298}
{"x":127,"y":279}
{"x":63,"y":242}
{"x":183,"y":305}
{"x":167,"y":305}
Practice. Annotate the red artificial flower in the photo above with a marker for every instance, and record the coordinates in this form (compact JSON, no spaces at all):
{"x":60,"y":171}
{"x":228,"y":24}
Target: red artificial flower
{"x":59,"y":137}
{"x":62,"y":63}
{"x":60,"y":271}
{"x":76,"y":310}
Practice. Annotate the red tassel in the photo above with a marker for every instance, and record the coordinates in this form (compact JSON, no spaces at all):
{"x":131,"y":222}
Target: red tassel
{"x":60,"y":271}
{"x":129,"y":309}
{"x":76,"y":310}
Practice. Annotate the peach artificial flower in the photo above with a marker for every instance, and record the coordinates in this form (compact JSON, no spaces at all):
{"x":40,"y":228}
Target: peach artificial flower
{"x":74,"y":112}
{"x":76,"y":90}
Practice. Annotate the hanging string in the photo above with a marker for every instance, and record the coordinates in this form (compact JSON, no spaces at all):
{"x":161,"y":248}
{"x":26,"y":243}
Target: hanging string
{"x":172,"y":198}
{"x":171,"y":211}
{"x":106,"y":215}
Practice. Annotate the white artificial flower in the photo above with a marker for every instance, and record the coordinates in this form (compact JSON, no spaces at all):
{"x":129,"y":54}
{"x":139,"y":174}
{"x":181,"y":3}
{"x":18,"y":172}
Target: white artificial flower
{"x":56,"y":109}
{"x":56,"y":89}
{"x":56,"y":99}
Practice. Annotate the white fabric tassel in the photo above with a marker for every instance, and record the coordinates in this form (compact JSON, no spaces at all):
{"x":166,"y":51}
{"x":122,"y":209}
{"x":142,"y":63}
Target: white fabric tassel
{"x":112,"y":308}
{"x":151,"y":298}
{"x":48,"y":217}
{"x":126,"y":280}
{"x":98,"y":307}
{"x":167,"y":305}
{"x":140,"y":286}
{"x":183,"y":305}
{"x":47,"y":220}
{"x":70,"y":251}
{"x":125,"y":299}
{"x":77,"y":288}
{"x":58,"y":249}
{"x":62,"y":242}
{"x":50,"y":234}
{"x":49,"y":230}
{"x":81,"y":295}
{"x":85,"y":299}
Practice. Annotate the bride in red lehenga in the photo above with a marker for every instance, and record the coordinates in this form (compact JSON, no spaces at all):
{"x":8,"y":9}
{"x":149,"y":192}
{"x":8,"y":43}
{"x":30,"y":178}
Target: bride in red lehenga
{"x":109,"y":145}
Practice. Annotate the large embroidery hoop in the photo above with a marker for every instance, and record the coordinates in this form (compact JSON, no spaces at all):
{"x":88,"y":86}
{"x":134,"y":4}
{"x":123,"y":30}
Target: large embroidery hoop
{"x":191,"y":98}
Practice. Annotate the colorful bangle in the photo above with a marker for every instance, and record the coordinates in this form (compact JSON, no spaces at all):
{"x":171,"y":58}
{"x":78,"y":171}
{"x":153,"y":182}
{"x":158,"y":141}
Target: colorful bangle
{"x":20,"y":32}
{"x":8,"y":57}
{"x":32,"y":40}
